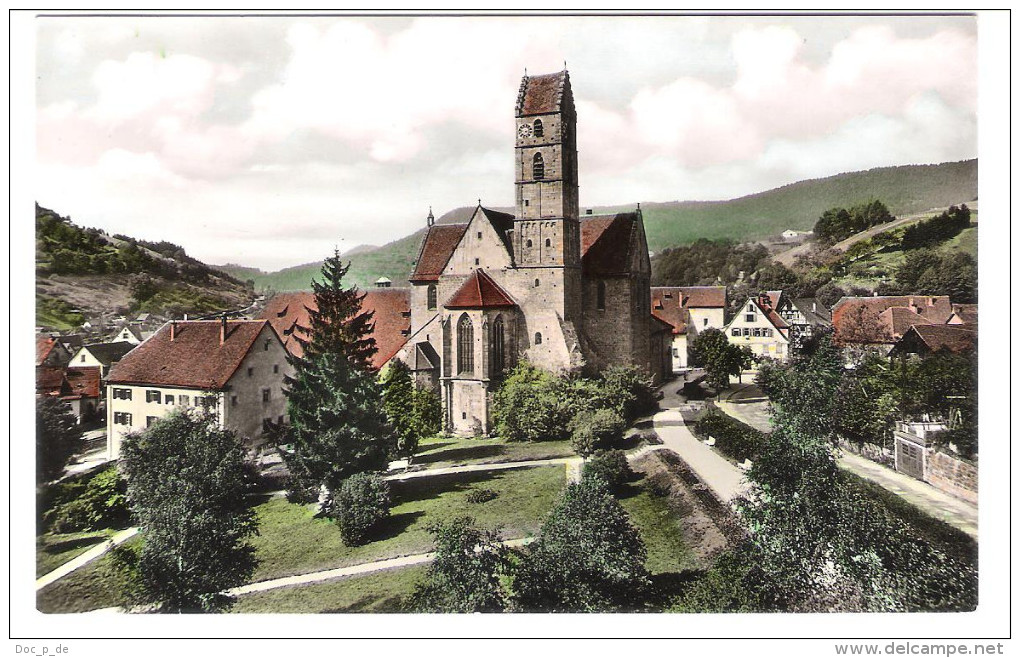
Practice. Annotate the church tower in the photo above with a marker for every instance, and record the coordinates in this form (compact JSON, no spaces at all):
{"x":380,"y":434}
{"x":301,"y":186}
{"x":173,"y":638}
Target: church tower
{"x":547,"y":235}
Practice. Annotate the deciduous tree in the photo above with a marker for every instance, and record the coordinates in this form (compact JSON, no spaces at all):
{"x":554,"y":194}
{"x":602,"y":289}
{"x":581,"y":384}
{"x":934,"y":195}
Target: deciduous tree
{"x":57,"y":437}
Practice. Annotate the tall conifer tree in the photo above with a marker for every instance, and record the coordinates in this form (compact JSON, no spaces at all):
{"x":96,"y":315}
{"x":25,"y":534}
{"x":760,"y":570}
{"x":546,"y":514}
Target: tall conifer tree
{"x":337,"y":423}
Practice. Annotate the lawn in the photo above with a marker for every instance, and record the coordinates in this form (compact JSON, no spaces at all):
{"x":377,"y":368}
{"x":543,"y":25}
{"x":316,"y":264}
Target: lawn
{"x":293,"y":541}
{"x":660,"y":528}
{"x":451,"y":451}
{"x":384,"y":591}
{"x":91,"y":587}
{"x":53,"y":550}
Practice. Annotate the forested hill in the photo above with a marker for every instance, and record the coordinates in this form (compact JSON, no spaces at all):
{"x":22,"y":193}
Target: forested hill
{"x":83,"y":273}
{"x":907,"y":189}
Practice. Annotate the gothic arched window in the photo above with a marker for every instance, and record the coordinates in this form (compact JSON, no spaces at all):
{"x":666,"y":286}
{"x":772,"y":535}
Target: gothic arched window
{"x":497,"y":346}
{"x":538,"y":167}
{"x":601,"y":296}
{"x":465,"y":346}
{"x":538,"y":338}
{"x":432,"y":297}
{"x":539,"y":130}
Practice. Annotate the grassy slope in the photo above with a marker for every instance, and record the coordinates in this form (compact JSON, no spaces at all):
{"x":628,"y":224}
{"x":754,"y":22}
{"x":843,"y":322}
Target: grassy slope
{"x":53,"y":550}
{"x":906,"y":189}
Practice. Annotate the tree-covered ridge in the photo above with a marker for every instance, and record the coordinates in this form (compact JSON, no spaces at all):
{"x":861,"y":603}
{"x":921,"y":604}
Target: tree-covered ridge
{"x":838,"y":224}
{"x":63,"y":247}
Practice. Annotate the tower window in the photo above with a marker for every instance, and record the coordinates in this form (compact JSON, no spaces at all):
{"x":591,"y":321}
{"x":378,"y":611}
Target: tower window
{"x":601,"y":296}
{"x":538,"y":338}
{"x":432,"y":297}
{"x":538,"y":167}
{"x":529,"y":244}
{"x":465,"y":346}
{"x":548,"y":243}
{"x":539,"y":130}
{"x":536,"y":283}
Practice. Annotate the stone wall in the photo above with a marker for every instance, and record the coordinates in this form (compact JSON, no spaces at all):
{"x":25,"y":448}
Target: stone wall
{"x":952,"y":475}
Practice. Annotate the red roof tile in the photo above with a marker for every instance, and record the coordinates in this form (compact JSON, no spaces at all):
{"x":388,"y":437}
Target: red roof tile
{"x":193,"y":359}
{"x":542,"y":94}
{"x":704,"y":296}
{"x":667,"y":307}
{"x":924,"y":338}
{"x":49,"y":380}
{"x":436,"y":249}
{"x":84,"y":382}
{"x":479,"y":291}
{"x":861,"y":319}
{"x":966,"y":313}
{"x":606,"y":243}
{"x":288,"y":313}
{"x":43,"y":346}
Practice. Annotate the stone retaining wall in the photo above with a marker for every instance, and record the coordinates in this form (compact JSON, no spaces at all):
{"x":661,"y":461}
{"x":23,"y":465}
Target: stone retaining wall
{"x":952,"y":475}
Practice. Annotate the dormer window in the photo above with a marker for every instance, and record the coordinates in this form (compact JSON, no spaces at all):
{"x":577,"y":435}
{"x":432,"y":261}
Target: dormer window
{"x":538,"y":129}
{"x":538,"y":167}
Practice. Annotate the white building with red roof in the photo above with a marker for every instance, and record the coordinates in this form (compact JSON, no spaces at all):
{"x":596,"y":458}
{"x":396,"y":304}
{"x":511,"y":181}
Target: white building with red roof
{"x":234,"y":368}
{"x":760,"y":328}
{"x":688,"y":310}
{"x":562,"y":289}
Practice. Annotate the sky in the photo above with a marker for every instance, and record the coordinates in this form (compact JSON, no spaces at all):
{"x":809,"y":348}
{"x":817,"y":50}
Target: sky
{"x":266,"y":141}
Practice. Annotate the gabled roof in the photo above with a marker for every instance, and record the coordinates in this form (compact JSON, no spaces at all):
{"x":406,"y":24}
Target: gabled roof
{"x":195,"y":358}
{"x":926,"y":338}
{"x":504,"y":224}
{"x":964,"y":314}
{"x":814,"y":312}
{"x":606,"y":243}
{"x":542,"y":94}
{"x":479,"y":291}
{"x":83,"y":382}
{"x":437,"y":247}
{"x":658,"y":325}
{"x":43,"y":346}
{"x":107,"y":353}
{"x":667,"y":307}
{"x":425,"y":356}
{"x":49,"y":380}
{"x":861,"y":319}
{"x":288,"y":313}
{"x":768,"y":302}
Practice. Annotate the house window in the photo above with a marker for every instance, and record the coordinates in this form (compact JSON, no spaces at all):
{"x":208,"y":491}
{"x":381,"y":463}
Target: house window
{"x":465,"y":345}
{"x":479,"y":235}
{"x":538,"y":167}
{"x":153,"y":396}
{"x":149,"y":420}
{"x":747,"y":331}
{"x":749,"y":317}
{"x":497,"y":346}
{"x":251,"y":371}
{"x":185,"y":401}
{"x":121,"y":418}
{"x":538,"y":338}
{"x":233,"y":400}
{"x":768,"y":333}
{"x":276,"y":368}
{"x":122,"y":394}
{"x":704,"y":322}
{"x":169,"y":400}
{"x":82,"y":358}
{"x":735,"y":331}
{"x":431,"y":303}
{"x":539,"y":129}
{"x":676,"y":353}
{"x":265,"y":395}
{"x":600,"y":297}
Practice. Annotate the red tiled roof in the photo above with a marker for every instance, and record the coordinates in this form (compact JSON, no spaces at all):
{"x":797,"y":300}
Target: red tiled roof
{"x":288,"y":313}
{"x":660,"y":326}
{"x":43,"y":346}
{"x":864,"y":319}
{"x":83,"y":382}
{"x":606,"y":243}
{"x":666,"y":306}
{"x":479,"y":291}
{"x":49,"y":380}
{"x":392,"y":321}
{"x":704,"y":296}
{"x":542,"y":93}
{"x":436,"y":249}
{"x":966,"y":313}
{"x":923,"y":338}
{"x":193,"y":359}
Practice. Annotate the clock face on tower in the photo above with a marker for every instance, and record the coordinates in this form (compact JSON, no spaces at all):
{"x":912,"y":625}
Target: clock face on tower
{"x":524,"y":131}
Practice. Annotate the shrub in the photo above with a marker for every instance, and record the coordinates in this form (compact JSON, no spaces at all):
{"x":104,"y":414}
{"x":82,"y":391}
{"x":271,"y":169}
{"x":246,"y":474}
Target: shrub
{"x":530,"y":406}
{"x":362,"y":502}
{"x":480,"y":495}
{"x":733,"y":438}
{"x":632,"y":389}
{"x":591,"y":431}
{"x":100,"y":503}
{"x":611,"y":467}
{"x":57,"y":437}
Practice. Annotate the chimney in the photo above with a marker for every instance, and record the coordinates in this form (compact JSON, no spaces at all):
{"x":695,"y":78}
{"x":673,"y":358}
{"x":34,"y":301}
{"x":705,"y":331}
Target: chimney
{"x":173,"y":330}
{"x":814,"y":307}
{"x":223,"y":328}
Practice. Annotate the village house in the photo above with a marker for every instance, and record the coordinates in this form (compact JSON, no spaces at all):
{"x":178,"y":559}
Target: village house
{"x":925,"y":339}
{"x":688,"y":310}
{"x":235,"y":369}
{"x":78,"y":387}
{"x":806,"y":316}
{"x":964,"y":314}
{"x":876,"y":323}
{"x":563,"y":290}
{"x":132,"y":334}
{"x":103,"y":355}
{"x":51,"y":352}
{"x":760,"y":328}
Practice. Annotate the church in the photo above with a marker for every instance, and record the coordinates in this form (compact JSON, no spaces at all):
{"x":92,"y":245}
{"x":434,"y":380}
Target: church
{"x":564,"y":290}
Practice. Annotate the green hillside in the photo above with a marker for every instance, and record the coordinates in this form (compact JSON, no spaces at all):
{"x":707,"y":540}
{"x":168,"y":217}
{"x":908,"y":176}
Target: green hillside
{"x":906,"y":189}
